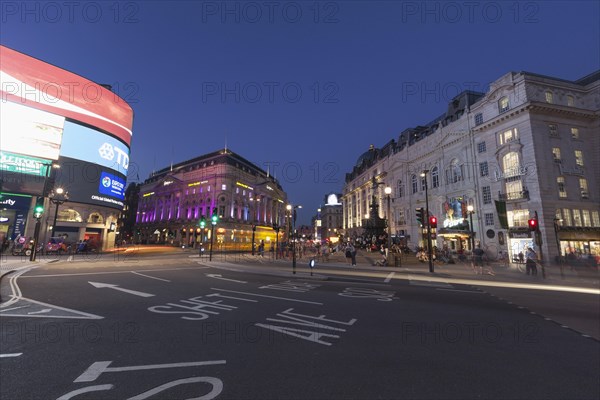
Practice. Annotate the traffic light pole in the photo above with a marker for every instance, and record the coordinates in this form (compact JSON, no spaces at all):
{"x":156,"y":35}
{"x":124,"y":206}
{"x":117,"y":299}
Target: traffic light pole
{"x":36,"y":235}
{"x":538,"y":242}
{"x":212,"y":231}
{"x":429,"y":249}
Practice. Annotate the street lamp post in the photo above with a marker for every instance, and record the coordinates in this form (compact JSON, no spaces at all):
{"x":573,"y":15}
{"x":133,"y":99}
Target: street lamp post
{"x":388,"y":192}
{"x":429,"y":249}
{"x":36,"y":234}
{"x":213,"y":222}
{"x":292,"y":210}
{"x":470,"y":210}
{"x":58,"y":197}
{"x":560,"y":264}
{"x":276,"y":227}
{"x":253,"y":234}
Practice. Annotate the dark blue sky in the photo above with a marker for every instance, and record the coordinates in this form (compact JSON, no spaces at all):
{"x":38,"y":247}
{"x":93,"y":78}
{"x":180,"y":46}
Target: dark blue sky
{"x":304,"y":88}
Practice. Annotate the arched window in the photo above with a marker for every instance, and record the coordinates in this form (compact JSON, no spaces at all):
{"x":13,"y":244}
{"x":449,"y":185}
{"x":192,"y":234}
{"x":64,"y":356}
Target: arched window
{"x":68,"y":215}
{"x":95,"y":218}
{"x":435,"y":177}
{"x":413,"y":180}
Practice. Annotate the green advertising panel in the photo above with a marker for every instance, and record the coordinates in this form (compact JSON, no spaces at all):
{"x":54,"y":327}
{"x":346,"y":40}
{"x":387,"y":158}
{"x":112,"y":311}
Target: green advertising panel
{"x":23,"y":164}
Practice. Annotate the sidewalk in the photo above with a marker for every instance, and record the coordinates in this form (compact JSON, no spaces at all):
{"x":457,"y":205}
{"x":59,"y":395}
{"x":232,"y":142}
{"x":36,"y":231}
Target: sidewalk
{"x":10,"y":263}
{"x":410,"y":265}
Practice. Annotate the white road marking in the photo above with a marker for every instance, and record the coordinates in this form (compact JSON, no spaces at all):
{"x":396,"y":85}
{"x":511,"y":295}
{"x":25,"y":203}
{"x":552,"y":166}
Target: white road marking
{"x":110,"y":272}
{"x":116,"y":287}
{"x":10,"y":355}
{"x":389,"y":277}
{"x":79,"y":314}
{"x":218,"y":276}
{"x":152,"y":277}
{"x":98,"y":368}
{"x":458,"y":290}
{"x":430,"y":284}
{"x":14,"y":308}
{"x":88,"y":389}
{"x":270,"y":297}
{"x":45,"y":310}
{"x":217,"y":387}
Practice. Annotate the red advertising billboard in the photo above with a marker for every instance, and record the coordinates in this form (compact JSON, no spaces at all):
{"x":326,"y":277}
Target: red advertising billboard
{"x":28,"y":81}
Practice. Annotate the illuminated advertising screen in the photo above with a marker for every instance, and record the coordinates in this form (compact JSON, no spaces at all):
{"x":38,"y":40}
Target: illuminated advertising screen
{"x":86,"y":144}
{"x":23,"y":164}
{"x":91,"y":183}
{"x":32,"y":82}
{"x":25,"y":130}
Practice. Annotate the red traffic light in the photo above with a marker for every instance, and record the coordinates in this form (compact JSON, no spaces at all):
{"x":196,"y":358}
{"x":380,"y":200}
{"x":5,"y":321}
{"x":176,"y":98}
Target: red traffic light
{"x":533,"y":224}
{"x":433,"y":222}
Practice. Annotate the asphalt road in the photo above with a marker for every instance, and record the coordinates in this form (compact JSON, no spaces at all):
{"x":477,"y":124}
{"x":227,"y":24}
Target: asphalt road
{"x":168,"y":326}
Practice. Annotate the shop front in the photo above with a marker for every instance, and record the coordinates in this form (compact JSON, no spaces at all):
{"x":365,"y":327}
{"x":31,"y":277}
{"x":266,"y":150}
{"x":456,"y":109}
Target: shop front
{"x":580,"y":245}
{"x":518,"y":242}
{"x":13,"y":215}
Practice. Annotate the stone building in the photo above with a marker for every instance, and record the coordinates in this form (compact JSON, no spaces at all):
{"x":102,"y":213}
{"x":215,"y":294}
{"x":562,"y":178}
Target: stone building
{"x":174,"y":200}
{"x":529,"y":145}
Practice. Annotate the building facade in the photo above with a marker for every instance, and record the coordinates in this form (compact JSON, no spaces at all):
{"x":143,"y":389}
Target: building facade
{"x":63,"y":149}
{"x":248,"y":201}
{"x":328,"y":223}
{"x":528,"y":146}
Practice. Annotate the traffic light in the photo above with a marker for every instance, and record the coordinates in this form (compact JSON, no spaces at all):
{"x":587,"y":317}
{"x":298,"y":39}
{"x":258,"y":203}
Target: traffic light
{"x":214,"y":218}
{"x":420,"y":215}
{"x":433,"y":222}
{"x":38,"y":210}
{"x":202,"y":222}
{"x":533,"y":224}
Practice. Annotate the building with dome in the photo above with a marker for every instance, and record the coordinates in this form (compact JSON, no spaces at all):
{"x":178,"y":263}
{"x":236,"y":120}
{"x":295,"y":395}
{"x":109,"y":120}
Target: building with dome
{"x":329,"y":220}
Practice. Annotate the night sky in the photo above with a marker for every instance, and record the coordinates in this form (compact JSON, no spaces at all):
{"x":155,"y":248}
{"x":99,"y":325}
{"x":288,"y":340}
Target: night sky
{"x":305,"y":87}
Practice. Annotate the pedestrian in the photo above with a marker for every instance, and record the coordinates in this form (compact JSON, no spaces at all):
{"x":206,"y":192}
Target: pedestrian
{"x":348,"y":254}
{"x":531,"y":263}
{"x":478,"y":259}
{"x":353,"y":253}
{"x":521,"y":257}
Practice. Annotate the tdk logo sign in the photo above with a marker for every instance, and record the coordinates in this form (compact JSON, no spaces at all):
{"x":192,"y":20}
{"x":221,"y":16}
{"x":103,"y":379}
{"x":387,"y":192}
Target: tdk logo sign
{"x":114,"y":154}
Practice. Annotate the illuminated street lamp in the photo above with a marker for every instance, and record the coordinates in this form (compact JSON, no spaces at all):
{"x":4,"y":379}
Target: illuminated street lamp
{"x":388,"y":192}
{"x":470,"y":211}
{"x":429,"y":249}
{"x":58,"y":196}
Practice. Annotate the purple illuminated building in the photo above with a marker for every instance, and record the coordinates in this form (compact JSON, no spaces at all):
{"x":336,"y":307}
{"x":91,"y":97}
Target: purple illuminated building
{"x":173,"y":201}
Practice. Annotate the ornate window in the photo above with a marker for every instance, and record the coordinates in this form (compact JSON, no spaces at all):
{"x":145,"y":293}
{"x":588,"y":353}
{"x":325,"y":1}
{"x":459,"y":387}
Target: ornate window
{"x":435,"y":177}
{"x":414,"y":184}
{"x":68,"y":215}
{"x":507,"y":136}
{"x":454,"y":173}
{"x":95,"y":218}
{"x":400,"y":189}
{"x":503,"y":105}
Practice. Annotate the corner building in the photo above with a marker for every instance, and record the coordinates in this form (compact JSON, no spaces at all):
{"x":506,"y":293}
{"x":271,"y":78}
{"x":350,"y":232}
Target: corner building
{"x":53,"y":135}
{"x":173,"y":200}
{"x":529,"y":146}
